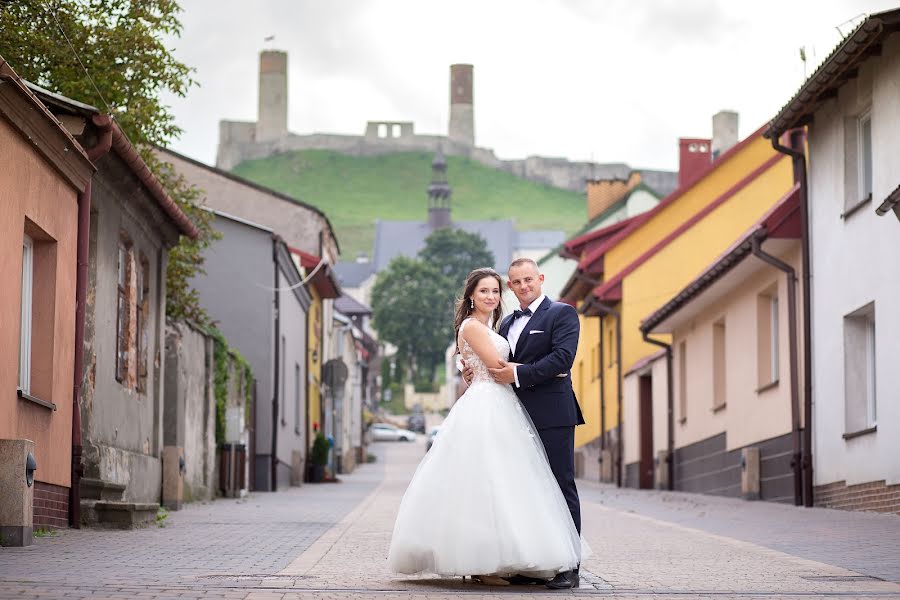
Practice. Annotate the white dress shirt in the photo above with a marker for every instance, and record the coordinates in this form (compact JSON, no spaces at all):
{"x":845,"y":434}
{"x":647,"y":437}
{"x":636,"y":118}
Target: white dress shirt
{"x":517,"y":327}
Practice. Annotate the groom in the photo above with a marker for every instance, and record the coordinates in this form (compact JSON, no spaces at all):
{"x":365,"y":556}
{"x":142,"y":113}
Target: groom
{"x":543,"y":338}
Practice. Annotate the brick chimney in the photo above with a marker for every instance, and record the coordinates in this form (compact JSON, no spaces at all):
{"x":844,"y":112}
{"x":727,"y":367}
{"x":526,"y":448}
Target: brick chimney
{"x":694,"y":156}
{"x":603,"y":193}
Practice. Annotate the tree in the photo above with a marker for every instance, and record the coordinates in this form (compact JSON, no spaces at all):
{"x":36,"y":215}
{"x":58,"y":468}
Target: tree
{"x":413,"y":300}
{"x":455,"y":253}
{"x":408,"y":312}
{"x":121,"y":65}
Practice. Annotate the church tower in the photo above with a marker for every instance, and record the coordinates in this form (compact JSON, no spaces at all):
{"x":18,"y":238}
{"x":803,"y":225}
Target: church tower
{"x":439,"y":193}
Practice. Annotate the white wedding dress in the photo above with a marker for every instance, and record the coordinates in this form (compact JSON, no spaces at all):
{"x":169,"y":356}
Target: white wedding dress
{"x":484,"y":501}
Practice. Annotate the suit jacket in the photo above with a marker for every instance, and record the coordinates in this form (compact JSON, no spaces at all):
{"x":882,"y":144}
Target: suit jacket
{"x":545,"y":350}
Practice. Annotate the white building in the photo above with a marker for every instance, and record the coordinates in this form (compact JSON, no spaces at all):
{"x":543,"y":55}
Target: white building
{"x":851,"y":107}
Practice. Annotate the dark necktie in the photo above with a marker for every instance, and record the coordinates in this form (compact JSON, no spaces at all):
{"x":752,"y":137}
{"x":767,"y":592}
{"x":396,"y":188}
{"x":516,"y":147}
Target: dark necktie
{"x":521,"y":313}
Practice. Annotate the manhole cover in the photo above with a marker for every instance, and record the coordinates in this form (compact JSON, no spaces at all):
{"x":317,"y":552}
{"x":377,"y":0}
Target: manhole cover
{"x":251,"y":577}
{"x":838,"y":578}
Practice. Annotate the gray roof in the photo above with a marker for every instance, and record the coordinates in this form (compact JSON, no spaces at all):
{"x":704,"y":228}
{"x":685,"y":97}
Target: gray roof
{"x":352,"y":273}
{"x":349,"y":306}
{"x":406,"y":238}
{"x":538,"y":240}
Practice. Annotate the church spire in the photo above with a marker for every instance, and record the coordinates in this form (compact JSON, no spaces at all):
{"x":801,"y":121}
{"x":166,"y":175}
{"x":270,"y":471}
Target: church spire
{"x":439,"y":193}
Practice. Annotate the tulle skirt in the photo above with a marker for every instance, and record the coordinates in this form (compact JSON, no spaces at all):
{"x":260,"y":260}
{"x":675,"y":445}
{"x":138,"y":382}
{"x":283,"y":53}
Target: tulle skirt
{"x":484,"y":500}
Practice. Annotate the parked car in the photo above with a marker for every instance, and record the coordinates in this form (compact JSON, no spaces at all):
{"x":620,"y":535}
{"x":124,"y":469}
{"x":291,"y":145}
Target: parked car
{"x":432,"y":433}
{"x":416,"y":422}
{"x":383,"y":432}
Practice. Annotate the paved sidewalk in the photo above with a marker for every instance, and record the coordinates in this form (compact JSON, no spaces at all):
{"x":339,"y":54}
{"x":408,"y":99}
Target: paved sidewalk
{"x":330,"y":542}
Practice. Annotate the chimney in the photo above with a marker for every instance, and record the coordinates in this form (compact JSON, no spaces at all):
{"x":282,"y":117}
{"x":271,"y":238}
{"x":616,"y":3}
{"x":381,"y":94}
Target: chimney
{"x":694,"y":156}
{"x":725,"y":132}
{"x":271,"y":121}
{"x":603,"y":193}
{"x":462,"y":110}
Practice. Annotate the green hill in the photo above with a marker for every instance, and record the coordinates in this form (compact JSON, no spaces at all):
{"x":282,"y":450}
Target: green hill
{"x":355,"y":190}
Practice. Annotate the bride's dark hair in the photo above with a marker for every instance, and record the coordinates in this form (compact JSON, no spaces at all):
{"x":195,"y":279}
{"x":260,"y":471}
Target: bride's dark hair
{"x":464,"y":303}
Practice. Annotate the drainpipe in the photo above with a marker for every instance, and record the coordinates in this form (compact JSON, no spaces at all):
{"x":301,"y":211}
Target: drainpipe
{"x":799,"y":163}
{"x":275,"y":386}
{"x":611,"y":311}
{"x":104,"y":143}
{"x":670,"y":410}
{"x":791,"y":277}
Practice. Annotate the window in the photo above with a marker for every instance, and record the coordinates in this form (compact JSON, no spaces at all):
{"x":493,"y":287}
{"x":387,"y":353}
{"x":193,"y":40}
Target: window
{"x":682,"y":381}
{"x":143,"y":312}
{"x":283,"y":397}
{"x":25,"y":316}
{"x":857,"y":162}
{"x":297,"y":381}
{"x":123,"y":309}
{"x":719,"y":389}
{"x":864,"y":136}
{"x":767,"y":338}
{"x":611,"y":350}
{"x":860,"y":408}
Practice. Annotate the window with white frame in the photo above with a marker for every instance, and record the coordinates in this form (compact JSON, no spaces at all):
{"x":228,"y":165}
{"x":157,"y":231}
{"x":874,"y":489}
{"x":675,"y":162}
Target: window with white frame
{"x":719,"y":365}
{"x":860,"y":406}
{"x":26,"y":304}
{"x":857,"y":161}
{"x":297,"y":406}
{"x":864,"y":137}
{"x":767,"y":337}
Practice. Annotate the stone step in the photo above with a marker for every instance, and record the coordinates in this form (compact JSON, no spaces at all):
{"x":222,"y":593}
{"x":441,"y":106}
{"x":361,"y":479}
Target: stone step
{"x":100,"y":489}
{"x":117,"y":514}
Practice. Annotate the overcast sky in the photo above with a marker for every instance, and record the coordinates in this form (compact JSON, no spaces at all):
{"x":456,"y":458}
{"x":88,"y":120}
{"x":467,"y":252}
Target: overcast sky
{"x":608,"y":80}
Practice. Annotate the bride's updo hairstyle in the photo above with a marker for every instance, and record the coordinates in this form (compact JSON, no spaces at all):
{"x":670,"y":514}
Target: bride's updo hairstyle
{"x":464,"y":303}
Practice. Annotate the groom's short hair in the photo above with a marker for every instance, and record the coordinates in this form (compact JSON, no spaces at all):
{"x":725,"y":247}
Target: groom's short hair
{"x":523,"y":261}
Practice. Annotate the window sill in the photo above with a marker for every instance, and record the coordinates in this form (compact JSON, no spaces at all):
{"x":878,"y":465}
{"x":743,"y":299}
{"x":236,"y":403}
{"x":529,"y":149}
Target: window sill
{"x":855,"y":208}
{"x":767,"y":387}
{"x":28,"y":397}
{"x":861,"y":432}
{"x":719,"y":408}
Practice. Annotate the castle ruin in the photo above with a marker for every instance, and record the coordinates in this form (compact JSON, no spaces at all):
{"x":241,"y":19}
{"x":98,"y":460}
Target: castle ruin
{"x":269,"y":135}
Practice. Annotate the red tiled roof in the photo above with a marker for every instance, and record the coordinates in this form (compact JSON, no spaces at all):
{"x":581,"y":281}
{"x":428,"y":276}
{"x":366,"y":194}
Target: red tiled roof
{"x":325,"y":281}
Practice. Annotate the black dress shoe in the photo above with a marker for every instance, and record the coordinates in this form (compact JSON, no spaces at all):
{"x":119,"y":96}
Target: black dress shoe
{"x":564,"y":581}
{"x":525,"y":580}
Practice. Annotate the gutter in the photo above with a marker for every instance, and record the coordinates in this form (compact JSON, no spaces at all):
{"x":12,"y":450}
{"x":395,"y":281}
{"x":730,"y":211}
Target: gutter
{"x":104,"y":123}
{"x":798,"y":157}
{"x":670,"y":410}
{"x":790,"y":275}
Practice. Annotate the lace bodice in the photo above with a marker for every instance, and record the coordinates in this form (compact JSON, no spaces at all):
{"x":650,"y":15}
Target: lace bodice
{"x":468,"y":354}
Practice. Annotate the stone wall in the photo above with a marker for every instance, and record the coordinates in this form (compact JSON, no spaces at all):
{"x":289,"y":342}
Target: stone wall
{"x":238,"y":142}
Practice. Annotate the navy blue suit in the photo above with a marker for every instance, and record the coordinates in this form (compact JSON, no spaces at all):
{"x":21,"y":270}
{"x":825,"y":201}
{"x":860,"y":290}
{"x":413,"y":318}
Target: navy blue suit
{"x":545,"y":349}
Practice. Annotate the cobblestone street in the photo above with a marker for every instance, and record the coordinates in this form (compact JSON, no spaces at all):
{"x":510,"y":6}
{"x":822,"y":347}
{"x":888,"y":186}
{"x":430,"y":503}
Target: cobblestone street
{"x":330,"y":541}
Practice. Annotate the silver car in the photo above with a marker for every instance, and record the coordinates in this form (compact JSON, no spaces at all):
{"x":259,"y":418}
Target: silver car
{"x":384,"y":432}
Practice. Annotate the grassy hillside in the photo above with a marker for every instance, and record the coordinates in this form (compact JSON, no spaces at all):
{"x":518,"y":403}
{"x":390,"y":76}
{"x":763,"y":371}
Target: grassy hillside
{"x":354,"y":191}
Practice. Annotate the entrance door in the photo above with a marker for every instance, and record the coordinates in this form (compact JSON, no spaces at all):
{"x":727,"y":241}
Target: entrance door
{"x":646,"y":419}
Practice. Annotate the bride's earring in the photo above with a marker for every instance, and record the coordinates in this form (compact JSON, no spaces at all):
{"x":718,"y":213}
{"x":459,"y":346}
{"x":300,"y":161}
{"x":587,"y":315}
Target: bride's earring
{"x":471,"y":302}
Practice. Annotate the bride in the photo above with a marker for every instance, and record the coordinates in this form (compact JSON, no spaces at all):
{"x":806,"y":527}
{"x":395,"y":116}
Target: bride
{"x":483,"y":501}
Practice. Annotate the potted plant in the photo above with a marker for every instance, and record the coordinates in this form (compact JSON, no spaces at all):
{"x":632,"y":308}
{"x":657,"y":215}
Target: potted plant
{"x":318,"y":456}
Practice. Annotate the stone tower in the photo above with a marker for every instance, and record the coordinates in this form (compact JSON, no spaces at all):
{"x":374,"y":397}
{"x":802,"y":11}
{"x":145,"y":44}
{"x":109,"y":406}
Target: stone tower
{"x":439,"y":194}
{"x":271,"y":122}
{"x":462,"y":111}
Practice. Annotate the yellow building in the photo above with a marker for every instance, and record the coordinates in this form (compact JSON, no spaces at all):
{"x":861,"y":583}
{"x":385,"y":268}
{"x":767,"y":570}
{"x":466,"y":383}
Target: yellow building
{"x":323,"y":288}
{"x":642,"y":265}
